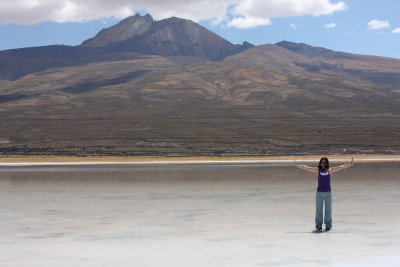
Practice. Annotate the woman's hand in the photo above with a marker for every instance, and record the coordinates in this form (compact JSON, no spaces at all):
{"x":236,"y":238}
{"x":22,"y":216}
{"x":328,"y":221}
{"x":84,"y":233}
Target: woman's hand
{"x":342,"y":167}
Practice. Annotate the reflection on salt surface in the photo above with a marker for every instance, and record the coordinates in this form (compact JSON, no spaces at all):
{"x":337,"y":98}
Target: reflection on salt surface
{"x":219,"y":215}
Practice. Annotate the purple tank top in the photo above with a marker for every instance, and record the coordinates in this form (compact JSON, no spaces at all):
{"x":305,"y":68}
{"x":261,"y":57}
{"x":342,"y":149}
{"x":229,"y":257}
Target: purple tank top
{"x":324,"y":182}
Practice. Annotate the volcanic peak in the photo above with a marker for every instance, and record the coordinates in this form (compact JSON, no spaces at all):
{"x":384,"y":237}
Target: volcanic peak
{"x":127,"y":28}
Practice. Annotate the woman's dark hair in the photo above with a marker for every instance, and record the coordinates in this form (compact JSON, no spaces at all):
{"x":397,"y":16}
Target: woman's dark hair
{"x":326,"y":165}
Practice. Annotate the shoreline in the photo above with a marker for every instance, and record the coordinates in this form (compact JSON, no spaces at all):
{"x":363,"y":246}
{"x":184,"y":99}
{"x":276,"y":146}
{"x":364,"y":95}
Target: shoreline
{"x":204,"y":160}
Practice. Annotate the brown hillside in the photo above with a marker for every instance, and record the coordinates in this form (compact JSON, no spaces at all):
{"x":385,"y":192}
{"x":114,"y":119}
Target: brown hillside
{"x":266,"y":100}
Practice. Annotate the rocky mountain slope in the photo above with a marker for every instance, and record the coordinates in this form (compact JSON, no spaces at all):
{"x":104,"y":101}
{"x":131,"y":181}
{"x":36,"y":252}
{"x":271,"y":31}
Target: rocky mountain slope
{"x":168,"y":37}
{"x":130,"y":27}
{"x":285,"y":98}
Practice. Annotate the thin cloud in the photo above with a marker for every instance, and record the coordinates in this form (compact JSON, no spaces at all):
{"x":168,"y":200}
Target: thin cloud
{"x":36,"y":11}
{"x":378,"y":24}
{"x":397,"y":30}
{"x":258,"y":10}
{"x":293,"y":26}
{"x":330,"y":25}
{"x":232,"y":13}
{"x":244,"y":23}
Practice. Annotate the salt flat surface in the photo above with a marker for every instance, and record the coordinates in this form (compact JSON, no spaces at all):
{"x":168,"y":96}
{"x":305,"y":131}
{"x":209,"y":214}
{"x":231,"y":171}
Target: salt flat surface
{"x":196,"y":215}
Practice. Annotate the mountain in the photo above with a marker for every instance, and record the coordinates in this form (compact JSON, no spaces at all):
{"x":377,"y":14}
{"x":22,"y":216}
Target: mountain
{"x":280,"y":99}
{"x":168,"y":37}
{"x":127,"y":28}
{"x":131,"y":38}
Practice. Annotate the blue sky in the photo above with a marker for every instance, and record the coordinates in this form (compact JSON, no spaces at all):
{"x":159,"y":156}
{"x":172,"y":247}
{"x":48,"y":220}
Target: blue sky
{"x":356,"y":26}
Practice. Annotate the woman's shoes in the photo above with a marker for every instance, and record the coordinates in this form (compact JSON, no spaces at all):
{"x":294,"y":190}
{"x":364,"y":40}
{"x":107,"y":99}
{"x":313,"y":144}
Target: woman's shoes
{"x":319,"y":229}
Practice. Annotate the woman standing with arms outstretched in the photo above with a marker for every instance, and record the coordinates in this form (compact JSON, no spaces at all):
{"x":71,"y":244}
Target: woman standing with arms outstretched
{"x":324,"y":193}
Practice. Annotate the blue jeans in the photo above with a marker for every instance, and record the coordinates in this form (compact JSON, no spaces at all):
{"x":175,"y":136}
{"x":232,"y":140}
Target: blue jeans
{"x":321,"y":196}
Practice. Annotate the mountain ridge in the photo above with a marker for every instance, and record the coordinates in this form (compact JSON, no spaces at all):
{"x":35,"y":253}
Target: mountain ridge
{"x":168,"y":37}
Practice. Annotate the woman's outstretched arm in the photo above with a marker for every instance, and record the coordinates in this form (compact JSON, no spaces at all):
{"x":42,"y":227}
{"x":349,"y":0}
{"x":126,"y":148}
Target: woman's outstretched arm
{"x":304,"y":167}
{"x":341,"y":167}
